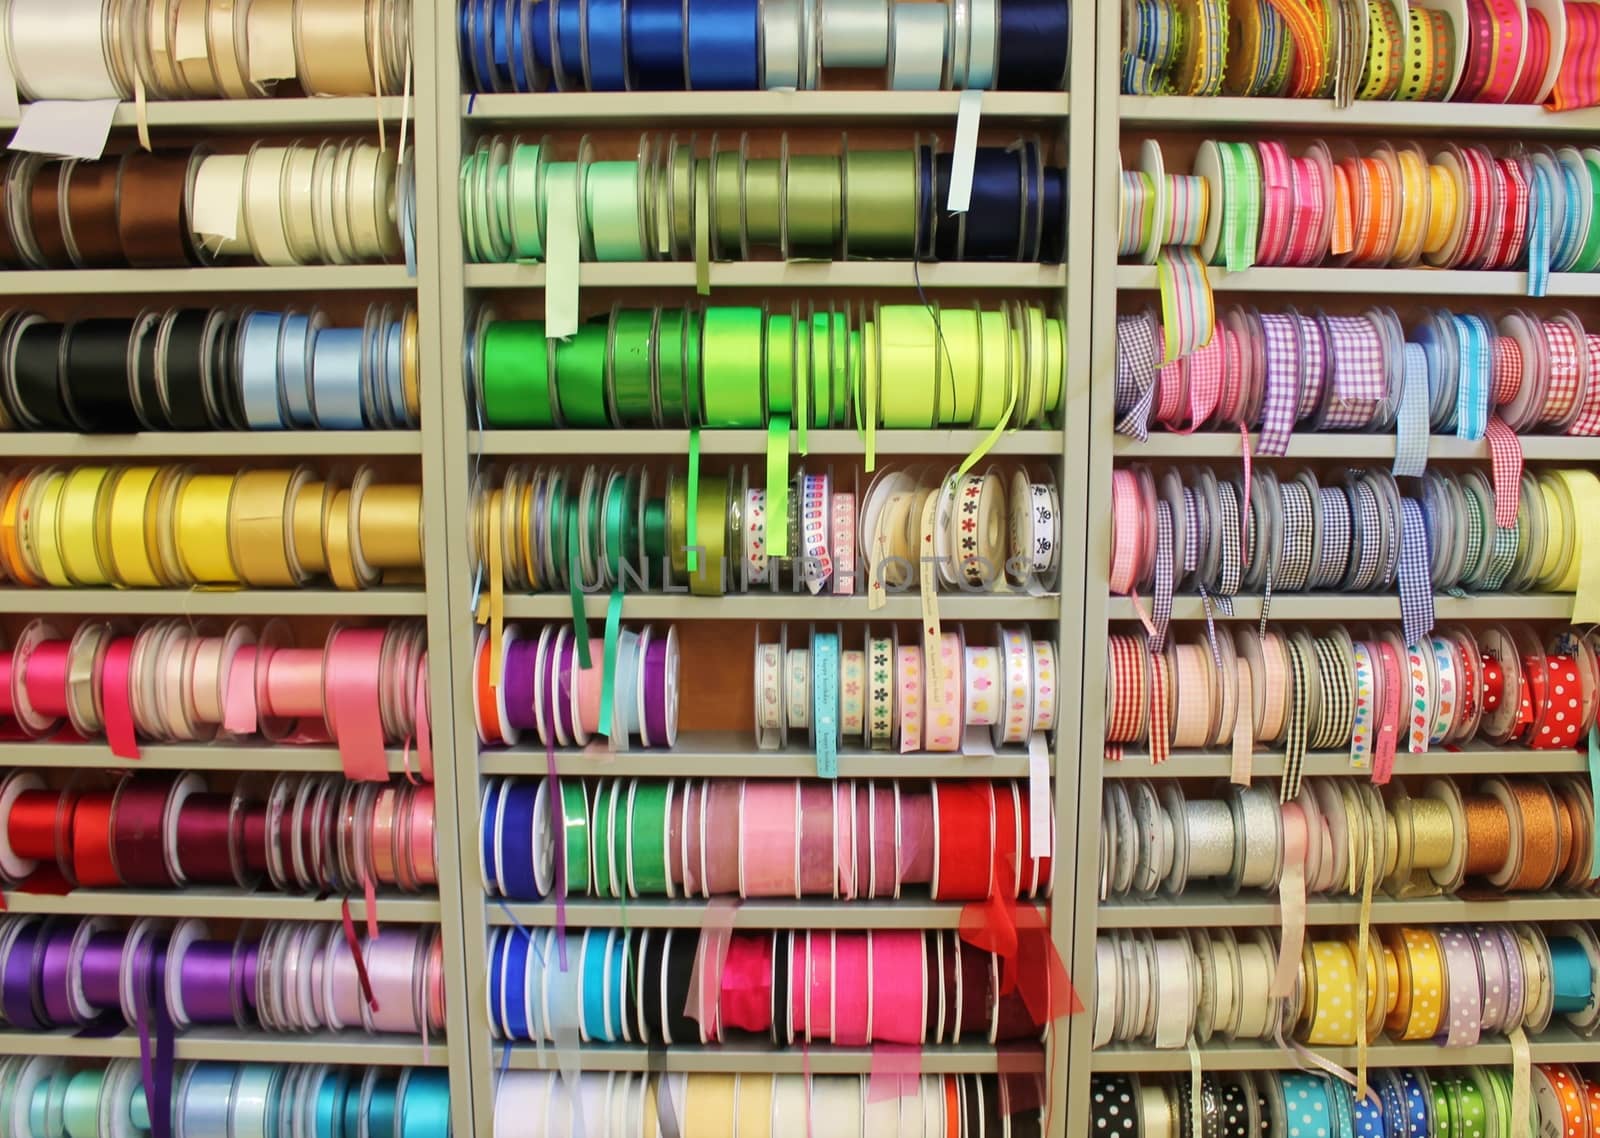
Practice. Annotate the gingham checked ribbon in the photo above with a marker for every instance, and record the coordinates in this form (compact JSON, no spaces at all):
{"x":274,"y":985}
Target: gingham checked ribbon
{"x":1416,"y":585}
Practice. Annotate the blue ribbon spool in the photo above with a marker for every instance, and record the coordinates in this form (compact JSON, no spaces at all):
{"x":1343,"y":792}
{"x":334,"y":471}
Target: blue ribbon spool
{"x":605,"y":63}
{"x":655,"y":45}
{"x":724,"y":39}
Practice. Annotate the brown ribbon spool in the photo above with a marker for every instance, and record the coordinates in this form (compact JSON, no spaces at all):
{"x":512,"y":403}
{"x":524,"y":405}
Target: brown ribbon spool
{"x":332,"y":49}
{"x":45,"y":217}
{"x":150,"y":221}
{"x":10,"y":254}
{"x":1488,"y":834}
{"x":92,"y":214}
{"x":1542,"y":852}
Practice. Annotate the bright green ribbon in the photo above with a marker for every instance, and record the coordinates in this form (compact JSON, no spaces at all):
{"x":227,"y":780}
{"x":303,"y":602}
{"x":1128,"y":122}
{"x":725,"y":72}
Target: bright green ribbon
{"x":778,"y":486}
{"x":608,"y":679}
{"x":692,"y":507}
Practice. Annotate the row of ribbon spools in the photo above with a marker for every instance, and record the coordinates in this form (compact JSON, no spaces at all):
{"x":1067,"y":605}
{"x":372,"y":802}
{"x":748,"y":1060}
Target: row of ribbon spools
{"x":1360,"y":692}
{"x":66,"y":973}
{"x":1512,"y":835}
{"x":1458,"y":983}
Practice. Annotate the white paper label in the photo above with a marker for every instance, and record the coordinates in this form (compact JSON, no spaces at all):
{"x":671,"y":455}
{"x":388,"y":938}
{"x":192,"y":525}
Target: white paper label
{"x":215,"y":214}
{"x":191,"y":39}
{"x":271,"y":55}
{"x":965,"y":151}
{"x":1039,"y":796}
{"x":76,"y":129}
{"x":561,"y":263}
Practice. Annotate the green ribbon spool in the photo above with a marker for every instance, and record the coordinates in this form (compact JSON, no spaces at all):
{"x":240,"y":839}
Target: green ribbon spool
{"x":1240,"y":219}
{"x":525,"y":196}
{"x":669,"y":366}
{"x":780,"y":364}
{"x":575,"y":822}
{"x":730,"y":366}
{"x":880,"y":207}
{"x":710,"y":512}
{"x":811,"y":206}
{"x":580,"y":619}
{"x":630,"y":366}
{"x":778,"y":486}
{"x":647,"y":862}
{"x":621,"y":522}
{"x":515,"y":377}
{"x":581,"y":376}
{"x":683,"y":183}
{"x":655,"y":530}
{"x":81,"y":1113}
{"x":600,"y":839}
{"x":996,"y":381}
{"x":961,"y":365}
{"x":728,"y":206}
{"x":763,"y":198}
{"x":907,"y":360}
{"x":611,"y":210}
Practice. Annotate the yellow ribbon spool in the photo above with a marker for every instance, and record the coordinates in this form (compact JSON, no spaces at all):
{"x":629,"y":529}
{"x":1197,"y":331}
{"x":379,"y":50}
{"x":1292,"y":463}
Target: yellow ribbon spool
{"x":125,"y":527}
{"x":1582,"y":575}
{"x":78,"y":528}
{"x":201,"y":529}
{"x":41,"y":527}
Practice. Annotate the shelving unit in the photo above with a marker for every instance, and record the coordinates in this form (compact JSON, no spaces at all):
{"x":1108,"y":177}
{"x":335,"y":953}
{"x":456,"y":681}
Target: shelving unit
{"x":1118,"y":287}
{"x":425,"y":447}
{"x":460,"y":119}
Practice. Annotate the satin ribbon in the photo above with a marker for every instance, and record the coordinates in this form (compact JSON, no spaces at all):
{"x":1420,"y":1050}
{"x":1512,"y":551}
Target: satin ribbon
{"x":164,"y":832}
{"x":734,"y":46}
{"x":753,"y":850}
{"x":802,"y":207}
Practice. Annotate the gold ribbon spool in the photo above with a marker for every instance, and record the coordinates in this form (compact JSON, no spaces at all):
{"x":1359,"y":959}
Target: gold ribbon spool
{"x":261,"y":531}
{"x":390,"y":526}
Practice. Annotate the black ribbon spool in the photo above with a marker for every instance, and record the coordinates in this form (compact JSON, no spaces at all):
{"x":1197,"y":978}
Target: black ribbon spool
{"x":184,"y":369}
{"x":43,"y":401}
{"x":96,"y":354}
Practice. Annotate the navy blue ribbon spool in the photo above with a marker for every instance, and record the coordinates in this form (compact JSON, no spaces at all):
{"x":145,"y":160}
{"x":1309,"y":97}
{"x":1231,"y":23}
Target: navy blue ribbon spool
{"x":1032,"y":50}
{"x":517,"y":879}
{"x":656,"y":45}
{"x":724,"y":45}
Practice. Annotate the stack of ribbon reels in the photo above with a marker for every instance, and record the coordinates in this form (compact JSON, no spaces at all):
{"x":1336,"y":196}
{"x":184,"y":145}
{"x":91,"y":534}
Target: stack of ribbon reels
{"x":962,"y":709}
{"x":1481,"y":51}
{"x":1311,"y":796}
{"x":309,"y":811}
{"x":684,"y":45}
{"x":47,"y":1097}
{"x":668,"y":201}
{"x":202,"y":369}
{"x":1469,"y":1102}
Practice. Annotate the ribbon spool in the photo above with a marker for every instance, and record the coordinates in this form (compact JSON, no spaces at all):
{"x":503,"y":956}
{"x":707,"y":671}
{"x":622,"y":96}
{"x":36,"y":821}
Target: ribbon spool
{"x":79,"y":971}
{"x":879,"y":985}
{"x":165,"y":52}
{"x":668,"y":203}
{"x":1477,"y":52}
{"x":172,"y":682}
{"x":542,"y":687}
{"x":158,"y":832}
{"x":161,"y":371}
{"x":176,"y":209}
{"x":1433,"y":1099}
{"x":745,"y":368}
{"x":976,"y":713}
{"x":1426,"y":982}
{"x":644,"y":46}
{"x":1372,"y":696}
{"x":947,"y":1104}
{"x":695,"y":837}
{"x":159,"y":526}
